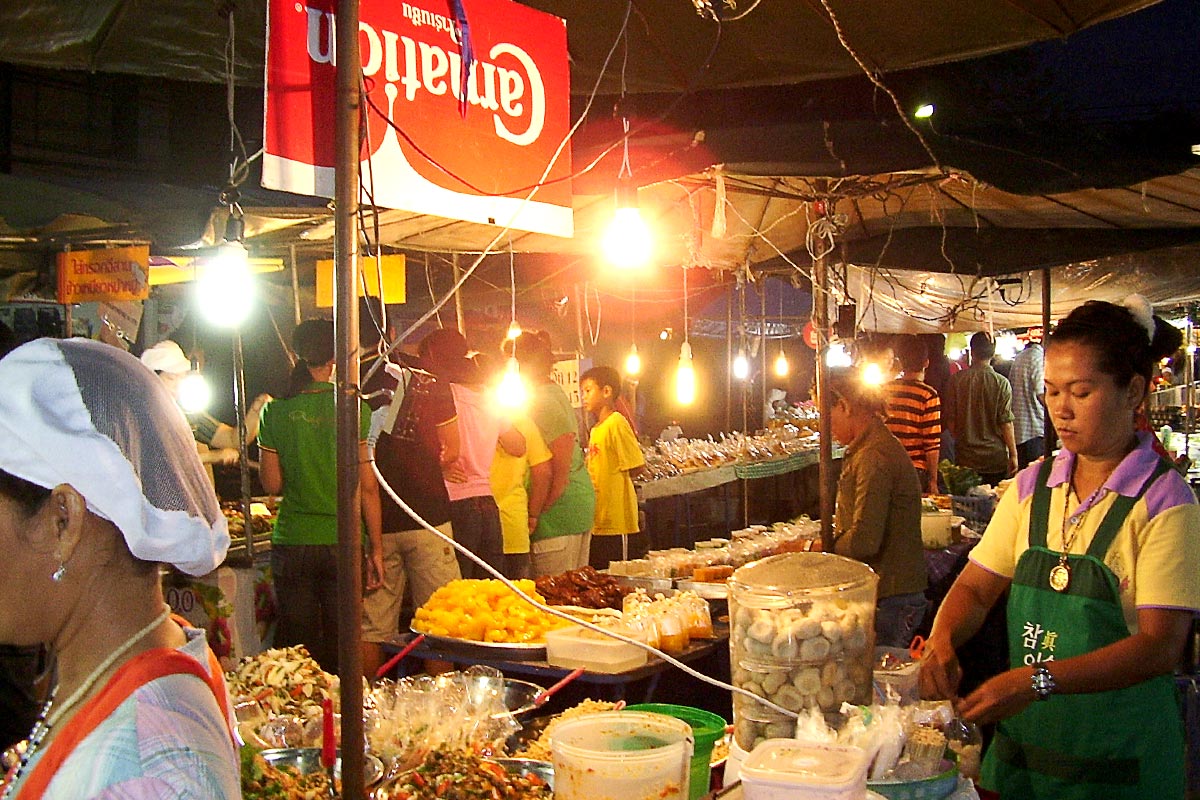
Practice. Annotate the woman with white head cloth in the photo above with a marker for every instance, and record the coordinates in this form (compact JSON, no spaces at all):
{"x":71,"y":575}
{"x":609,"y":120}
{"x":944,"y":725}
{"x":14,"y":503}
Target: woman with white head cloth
{"x":99,"y":485}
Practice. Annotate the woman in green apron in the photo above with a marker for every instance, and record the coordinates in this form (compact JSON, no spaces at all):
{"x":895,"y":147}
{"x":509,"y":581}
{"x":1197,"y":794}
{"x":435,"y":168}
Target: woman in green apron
{"x":1099,"y":550}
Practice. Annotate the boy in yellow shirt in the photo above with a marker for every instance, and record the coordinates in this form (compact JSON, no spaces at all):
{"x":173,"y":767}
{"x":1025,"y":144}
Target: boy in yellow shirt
{"x":614,"y":459}
{"x":516,"y":479}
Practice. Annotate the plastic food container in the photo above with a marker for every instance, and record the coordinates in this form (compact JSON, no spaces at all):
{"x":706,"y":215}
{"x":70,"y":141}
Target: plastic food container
{"x":935,"y":529}
{"x":707,"y":729}
{"x":784,"y":769}
{"x":802,"y":633}
{"x":619,"y":755}
{"x":576,"y":646}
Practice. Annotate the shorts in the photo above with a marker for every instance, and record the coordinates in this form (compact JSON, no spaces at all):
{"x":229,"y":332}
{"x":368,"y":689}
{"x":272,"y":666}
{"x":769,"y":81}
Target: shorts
{"x":560,"y":554}
{"x":416,"y":559}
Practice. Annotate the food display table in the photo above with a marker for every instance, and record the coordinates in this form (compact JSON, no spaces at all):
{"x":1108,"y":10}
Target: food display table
{"x":614,"y":686}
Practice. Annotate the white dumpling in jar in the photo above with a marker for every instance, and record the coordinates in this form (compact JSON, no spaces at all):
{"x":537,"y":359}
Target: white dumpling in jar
{"x":780,"y":730}
{"x":789,"y":698}
{"x":826,"y":699}
{"x":784,"y":646}
{"x":762,"y":630}
{"x":814,"y":649}
{"x":856,"y":642}
{"x":831,"y":673}
{"x":807,"y":680}
{"x":773,"y":680}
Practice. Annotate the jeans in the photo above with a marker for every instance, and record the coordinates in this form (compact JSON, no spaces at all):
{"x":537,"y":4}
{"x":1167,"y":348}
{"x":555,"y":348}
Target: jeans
{"x":306,"y":596}
{"x":897,"y":619}
{"x":476,"y":524}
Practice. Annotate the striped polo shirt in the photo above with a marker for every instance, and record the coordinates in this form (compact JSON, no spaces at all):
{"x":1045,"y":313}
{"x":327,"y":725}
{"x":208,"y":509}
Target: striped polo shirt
{"x":914,"y":416}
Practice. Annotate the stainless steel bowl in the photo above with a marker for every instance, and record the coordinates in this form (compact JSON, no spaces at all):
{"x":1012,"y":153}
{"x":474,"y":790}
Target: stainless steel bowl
{"x":307,"y":760}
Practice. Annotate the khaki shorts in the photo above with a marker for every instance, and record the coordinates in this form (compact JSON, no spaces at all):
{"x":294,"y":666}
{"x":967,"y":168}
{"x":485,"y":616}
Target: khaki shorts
{"x":560,"y":554}
{"x":416,"y":559}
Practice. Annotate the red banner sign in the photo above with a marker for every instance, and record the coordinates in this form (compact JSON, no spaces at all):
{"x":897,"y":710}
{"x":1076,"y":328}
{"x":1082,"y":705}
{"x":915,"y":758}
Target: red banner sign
{"x":420,"y":153}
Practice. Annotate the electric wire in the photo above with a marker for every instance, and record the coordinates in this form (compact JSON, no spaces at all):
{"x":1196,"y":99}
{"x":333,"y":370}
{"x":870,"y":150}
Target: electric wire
{"x":562,"y":614}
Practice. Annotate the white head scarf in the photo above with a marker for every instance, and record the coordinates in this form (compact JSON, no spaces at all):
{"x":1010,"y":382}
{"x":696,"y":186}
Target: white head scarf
{"x":90,"y":415}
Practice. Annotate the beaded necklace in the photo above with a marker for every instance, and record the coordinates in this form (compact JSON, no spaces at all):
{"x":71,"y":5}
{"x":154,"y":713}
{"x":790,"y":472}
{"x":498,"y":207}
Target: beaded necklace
{"x":46,"y":720}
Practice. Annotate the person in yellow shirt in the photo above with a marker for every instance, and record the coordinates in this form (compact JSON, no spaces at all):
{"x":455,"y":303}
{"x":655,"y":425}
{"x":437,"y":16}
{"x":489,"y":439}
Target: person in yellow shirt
{"x":614,"y":459}
{"x":509,"y":474}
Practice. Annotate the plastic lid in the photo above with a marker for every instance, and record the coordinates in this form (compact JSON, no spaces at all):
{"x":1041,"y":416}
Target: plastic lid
{"x":804,"y":573}
{"x":793,"y":763}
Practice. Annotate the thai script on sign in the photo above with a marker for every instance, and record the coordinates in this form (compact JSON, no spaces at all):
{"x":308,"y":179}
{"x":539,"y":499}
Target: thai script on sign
{"x":509,"y":84}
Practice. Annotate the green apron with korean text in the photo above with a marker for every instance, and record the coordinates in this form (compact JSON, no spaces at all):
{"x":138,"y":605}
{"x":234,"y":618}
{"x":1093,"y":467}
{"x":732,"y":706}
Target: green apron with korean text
{"x":1115,"y":745}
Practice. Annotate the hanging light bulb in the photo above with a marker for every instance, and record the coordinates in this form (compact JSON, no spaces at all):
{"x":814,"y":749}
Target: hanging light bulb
{"x":224,"y":285}
{"x":837,"y":356}
{"x":781,"y":364}
{"x":685,"y":377}
{"x":872,"y":374}
{"x":633,"y":362}
{"x":741,"y":365}
{"x":194,"y":393}
{"x":626,"y":242}
{"x":514,"y":330}
{"x":511,"y":392}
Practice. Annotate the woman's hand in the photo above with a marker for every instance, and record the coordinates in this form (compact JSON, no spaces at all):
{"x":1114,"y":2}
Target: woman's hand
{"x":940,"y":671}
{"x":998,"y":698}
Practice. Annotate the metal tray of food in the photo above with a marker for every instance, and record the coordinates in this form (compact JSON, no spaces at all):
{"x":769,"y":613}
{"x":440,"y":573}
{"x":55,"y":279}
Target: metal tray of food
{"x":706,"y":589}
{"x":515,"y":651}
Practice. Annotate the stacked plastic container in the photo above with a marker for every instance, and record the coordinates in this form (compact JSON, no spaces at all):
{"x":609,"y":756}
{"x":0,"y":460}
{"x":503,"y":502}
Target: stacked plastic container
{"x":802,"y":631}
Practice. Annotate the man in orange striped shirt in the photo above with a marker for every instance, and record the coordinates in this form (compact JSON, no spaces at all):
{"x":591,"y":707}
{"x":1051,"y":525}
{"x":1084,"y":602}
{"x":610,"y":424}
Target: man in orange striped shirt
{"x":914,"y":410}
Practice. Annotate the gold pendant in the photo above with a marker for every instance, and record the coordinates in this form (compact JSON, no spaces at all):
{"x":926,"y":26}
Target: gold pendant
{"x":1060,"y":576}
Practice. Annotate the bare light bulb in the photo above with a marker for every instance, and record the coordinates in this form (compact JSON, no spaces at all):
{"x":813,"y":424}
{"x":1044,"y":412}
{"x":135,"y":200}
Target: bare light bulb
{"x":872,"y":374}
{"x":193,"y":392}
{"x":685,"y":377}
{"x":741,"y":366}
{"x":781,"y":365}
{"x":837,"y":356}
{"x":627,"y":242}
{"x":633,"y":361}
{"x":225,"y":287}
{"x":511,"y":392}
{"x":514,"y":330}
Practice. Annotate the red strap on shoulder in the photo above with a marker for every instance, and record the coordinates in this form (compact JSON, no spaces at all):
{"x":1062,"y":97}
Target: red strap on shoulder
{"x":143,"y":668}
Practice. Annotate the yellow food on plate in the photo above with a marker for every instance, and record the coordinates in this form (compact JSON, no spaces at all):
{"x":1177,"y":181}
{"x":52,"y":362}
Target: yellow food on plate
{"x":485,"y":611}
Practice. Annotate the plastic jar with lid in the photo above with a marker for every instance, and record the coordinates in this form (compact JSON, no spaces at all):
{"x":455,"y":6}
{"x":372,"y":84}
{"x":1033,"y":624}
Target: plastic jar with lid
{"x":802,"y":630}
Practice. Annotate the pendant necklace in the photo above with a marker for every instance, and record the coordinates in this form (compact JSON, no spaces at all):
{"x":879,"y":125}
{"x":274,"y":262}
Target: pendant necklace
{"x":1060,"y":573}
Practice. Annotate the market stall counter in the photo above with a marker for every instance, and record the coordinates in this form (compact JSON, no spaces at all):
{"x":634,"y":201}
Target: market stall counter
{"x":642,"y":681}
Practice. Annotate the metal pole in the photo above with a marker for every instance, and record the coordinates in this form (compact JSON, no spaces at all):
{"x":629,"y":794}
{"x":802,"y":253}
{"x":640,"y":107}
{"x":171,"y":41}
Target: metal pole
{"x":345,"y":320}
{"x":820,"y":317}
{"x":458,"y":304}
{"x":239,"y":408}
{"x":295,"y":283}
{"x":729,"y":363}
{"x":1048,"y":434}
{"x":762,"y":344}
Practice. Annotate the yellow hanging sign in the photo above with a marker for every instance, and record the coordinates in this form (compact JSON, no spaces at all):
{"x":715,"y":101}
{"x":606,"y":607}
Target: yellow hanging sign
{"x":392,"y":267}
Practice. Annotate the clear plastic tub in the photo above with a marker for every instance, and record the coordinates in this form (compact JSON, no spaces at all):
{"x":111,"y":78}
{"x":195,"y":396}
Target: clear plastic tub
{"x":619,"y":755}
{"x":802,"y":630}
{"x":576,"y":646}
{"x":784,"y":769}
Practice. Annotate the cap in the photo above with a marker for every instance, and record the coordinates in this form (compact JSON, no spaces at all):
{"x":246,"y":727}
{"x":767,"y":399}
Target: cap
{"x":167,"y":356}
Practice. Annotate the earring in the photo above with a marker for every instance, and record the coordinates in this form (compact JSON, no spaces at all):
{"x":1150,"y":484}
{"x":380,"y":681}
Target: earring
{"x":57,"y":575}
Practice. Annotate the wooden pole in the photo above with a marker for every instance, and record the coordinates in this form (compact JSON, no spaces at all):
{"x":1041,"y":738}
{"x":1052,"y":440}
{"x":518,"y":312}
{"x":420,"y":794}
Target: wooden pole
{"x":458,"y":303}
{"x":820,"y":316}
{"x":345,"y":323}
{"x":1048,"y":434}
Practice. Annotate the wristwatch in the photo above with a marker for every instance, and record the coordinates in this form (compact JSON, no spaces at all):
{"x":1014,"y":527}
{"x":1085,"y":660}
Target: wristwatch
{"x":1043,"y":683}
